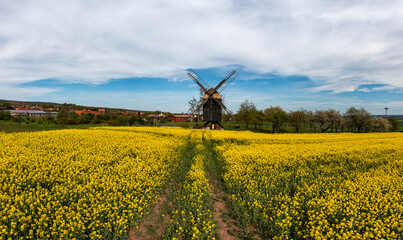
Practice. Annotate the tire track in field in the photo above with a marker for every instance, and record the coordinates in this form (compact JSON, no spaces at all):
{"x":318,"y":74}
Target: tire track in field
{"x":229,"y":227}
{"x":192,"y":212}
{"x":153,"y":225}
{"x":159,"y":224}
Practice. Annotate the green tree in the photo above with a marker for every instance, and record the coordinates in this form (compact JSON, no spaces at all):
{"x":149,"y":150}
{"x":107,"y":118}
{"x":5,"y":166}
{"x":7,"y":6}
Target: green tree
{"x":297,"y":119}
{"x":5,"y":115}
{"x":357,"y":118}
{"x":63,"y":117}
{"x":276,"y":116}
{"x":226,"y":117}
{"x":378,"y":124}
{"x":5,"y":104}
{"x":163,"y":120}
{"x":257,"y":117}
{"x":51,"y":120}
{"x":136,"y":119}
{"x":18,"y":119}
{"x":246,"y":112}
{"x":394,"y":124}
{"x":86,"y":118}
{"x":149,"y":120}
{"x":310,"y":116}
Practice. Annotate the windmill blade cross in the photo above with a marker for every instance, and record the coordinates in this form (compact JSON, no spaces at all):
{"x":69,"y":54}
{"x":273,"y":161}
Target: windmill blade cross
{"x":198,"y":80}
{"x":228,"y":82}
{"x":232,"y":75}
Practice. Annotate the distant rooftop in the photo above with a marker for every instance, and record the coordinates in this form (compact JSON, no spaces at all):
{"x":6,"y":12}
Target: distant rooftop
{"x":27,"y":111}
{"x":183,"y":115}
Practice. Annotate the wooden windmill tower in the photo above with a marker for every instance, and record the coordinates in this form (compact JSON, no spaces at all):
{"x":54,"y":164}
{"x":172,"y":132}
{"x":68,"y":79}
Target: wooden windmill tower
{"x":212,"y":103}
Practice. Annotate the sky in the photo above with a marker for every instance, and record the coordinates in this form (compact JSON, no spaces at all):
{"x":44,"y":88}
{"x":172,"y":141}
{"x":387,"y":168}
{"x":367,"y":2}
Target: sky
{"x":135,"y":54}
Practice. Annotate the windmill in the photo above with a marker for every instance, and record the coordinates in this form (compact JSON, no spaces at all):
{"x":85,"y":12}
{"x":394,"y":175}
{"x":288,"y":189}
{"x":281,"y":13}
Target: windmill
{"x":212,"y":102}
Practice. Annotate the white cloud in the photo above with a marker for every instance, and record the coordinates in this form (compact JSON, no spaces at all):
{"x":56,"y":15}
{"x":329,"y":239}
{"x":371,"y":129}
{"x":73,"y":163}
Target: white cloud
{"x":364,"y":89}
{"x":340,"y":44}
{"x":384,"y":88}
{"x":23,"y":93}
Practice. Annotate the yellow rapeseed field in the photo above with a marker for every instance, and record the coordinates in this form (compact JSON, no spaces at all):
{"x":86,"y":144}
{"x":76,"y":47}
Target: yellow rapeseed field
{"x":99,"y":183}
{"x":80,"y":184}
{"x":319,"y":186}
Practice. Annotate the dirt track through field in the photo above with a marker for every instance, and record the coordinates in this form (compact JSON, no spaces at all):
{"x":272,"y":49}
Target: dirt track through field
{"x":152,"y":227}
{"x":158,"y":221}
{"x":226,"y":225}
{"x":227,"y":228}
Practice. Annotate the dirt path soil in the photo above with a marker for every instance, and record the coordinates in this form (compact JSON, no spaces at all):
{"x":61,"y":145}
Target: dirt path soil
{"x":152,"y":226}
{"x":226,"y":225}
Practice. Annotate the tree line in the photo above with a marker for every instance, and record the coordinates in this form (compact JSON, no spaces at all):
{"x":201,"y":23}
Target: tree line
{"x":66,"y":117}
{"x":330,"y":120}
{"x":274,"y":118}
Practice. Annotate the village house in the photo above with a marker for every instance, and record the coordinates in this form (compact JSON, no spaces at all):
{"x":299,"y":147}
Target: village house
{"x":181,"y":117}
{"x":85,"y":111}
{"x":32,"y":113}
{"x":157,"y":117}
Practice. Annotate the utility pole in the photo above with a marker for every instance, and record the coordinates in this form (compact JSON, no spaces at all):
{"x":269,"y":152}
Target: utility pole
{"x":386,"y":112}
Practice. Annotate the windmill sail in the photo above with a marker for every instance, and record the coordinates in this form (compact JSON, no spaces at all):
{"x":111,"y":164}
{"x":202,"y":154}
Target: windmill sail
{"x":199,"y":81}
{"x":226,"y":81}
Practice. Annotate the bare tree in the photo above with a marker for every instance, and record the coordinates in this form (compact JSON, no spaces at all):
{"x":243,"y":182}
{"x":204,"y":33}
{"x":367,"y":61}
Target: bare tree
{"x":329,"y":119}
{"x":335,"y":119}
{"x":322,"y":118}
{"x":339,"y":122}
{"x":195,"y":102}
